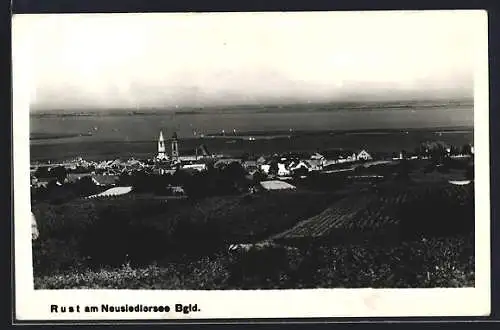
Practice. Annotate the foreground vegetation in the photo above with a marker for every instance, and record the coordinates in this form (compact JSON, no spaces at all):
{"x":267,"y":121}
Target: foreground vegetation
{"x":440,"y":262}
{"x":95,"y":233}
{"x":432,"y":210}
{"x":326,"y":229}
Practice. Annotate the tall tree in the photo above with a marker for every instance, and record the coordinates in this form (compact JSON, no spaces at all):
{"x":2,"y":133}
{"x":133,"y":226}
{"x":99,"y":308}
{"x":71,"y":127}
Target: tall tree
{"x":273,"y":169}
{"x":60,"y":173}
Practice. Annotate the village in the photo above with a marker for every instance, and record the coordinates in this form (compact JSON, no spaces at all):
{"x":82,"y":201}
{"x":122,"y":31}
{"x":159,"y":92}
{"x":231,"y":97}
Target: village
{"x":272,"y":171}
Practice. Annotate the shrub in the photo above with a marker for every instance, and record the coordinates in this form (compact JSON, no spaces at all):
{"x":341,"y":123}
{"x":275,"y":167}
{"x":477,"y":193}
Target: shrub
{"x":257,"y":268}
{"x":52,"y":256}
{"x":422,"y":263}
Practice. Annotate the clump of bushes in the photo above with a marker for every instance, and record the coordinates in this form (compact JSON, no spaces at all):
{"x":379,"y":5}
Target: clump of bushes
{"x":424,"y":264}
{"x":203,"y":274}
{"x":438,"y":212}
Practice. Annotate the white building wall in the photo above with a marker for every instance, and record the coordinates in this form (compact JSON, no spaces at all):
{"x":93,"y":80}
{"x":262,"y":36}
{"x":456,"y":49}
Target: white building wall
{"x":265,"y":168}
{"x":282,"y":169}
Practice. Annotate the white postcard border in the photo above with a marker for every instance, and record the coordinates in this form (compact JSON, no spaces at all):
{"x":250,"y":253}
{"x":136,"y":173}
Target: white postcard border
{"x":33,"y":304}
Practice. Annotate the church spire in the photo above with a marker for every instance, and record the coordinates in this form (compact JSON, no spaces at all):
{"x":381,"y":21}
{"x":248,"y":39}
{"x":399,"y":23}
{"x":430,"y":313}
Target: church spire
{"x":175,"y":147}
{"x":161,"y":147}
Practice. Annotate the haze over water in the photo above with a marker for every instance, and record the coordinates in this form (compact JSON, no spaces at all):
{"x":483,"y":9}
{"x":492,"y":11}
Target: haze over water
{"x":146,"y":127}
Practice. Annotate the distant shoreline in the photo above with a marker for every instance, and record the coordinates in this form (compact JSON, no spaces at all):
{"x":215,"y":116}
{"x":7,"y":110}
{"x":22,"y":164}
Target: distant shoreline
{"x":257,"y":109}
{"x":50,"y":136}
{"x":367,"y":131}
{"x":283,"y":133}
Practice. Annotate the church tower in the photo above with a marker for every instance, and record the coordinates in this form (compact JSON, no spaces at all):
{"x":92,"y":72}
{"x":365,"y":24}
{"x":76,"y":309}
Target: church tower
{"x":161,"y":148}
{"x":175,"y":147}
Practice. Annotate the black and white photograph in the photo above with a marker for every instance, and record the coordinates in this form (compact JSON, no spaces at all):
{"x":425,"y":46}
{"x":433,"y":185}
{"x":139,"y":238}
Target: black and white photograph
{"x":289,"y":157}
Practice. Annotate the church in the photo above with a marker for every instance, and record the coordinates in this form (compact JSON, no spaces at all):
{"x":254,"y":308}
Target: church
{"x":162,"y":155}
{"x":192,"y":158}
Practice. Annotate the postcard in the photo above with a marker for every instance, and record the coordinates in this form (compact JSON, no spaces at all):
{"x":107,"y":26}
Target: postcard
{"x":214,"y":166}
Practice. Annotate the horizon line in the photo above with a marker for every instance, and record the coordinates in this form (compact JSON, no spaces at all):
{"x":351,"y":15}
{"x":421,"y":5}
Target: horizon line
{"x":403,"y":101}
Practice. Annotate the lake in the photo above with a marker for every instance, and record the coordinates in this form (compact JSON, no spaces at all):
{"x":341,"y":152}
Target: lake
{"x":101,"y":135}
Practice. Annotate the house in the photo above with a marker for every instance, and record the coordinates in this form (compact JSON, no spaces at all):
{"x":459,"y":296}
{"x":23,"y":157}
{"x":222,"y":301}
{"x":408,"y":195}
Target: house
{"x":105,"y":180}
{"x":399,"y":156}
{"x":39,"y":183}
{"x":176,"y":190}
{"x":115,"y":191}
{"x":226,"y":162}
{"x":334,"y":156}
{"x":74,"y":177}
{"x":282,"y":170}
{"x":134,"y":166}
{"x":460,"y":182}
{"x":250,"y":164}
{"x":301,"y":164}
{"x":363,"y":155}
{"x":164,"y":171}
{"x":102,"y":165}
{"x":261,"y":160}
{"x":189,"y":158}
{"x":314,"y":164}
{"x":351,"y":158}
{"x":197,"y":167}
{"x":265,"y":168}
{"x":107,"y":171}
{"x":115,"y":164}
{"x":317,"y":156}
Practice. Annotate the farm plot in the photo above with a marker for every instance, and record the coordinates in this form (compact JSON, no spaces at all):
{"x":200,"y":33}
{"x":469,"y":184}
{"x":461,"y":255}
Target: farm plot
{"x":336,"y":216}
{"x":375,"y":212}
{"x":460,"y":194}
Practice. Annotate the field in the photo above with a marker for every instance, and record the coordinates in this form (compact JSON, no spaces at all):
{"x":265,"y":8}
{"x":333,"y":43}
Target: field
{"x":77,"y":233}
{"x":451,"y":209}
{"x":392,"y":235}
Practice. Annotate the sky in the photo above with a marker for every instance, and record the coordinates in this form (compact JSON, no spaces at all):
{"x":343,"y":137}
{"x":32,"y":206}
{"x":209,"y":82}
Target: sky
{"x":161,"y":60}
